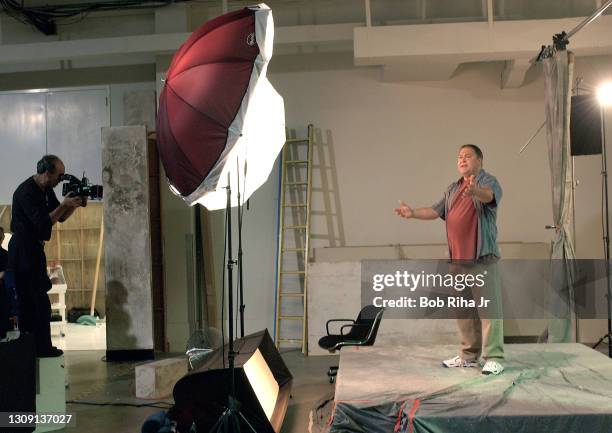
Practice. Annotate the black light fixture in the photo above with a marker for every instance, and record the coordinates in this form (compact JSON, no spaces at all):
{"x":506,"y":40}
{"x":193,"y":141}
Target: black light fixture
{"x":262,"y":386}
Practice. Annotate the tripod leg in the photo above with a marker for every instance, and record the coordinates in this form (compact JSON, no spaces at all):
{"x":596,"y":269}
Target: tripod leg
{"x":228,"y":422}
{"x":234,"y":422}
{"x":601,"y":340}
{"x":247,"y":422}
{"x":218,"y":427}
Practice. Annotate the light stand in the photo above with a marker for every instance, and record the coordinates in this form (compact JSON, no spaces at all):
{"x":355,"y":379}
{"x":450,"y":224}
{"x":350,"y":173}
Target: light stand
{"x":229,"y":421}
{"x":606,"y":234}
{"x":240,"y":280}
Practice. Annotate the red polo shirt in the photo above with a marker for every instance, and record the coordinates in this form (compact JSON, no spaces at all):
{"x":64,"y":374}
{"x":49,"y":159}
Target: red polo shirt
{"x":462,"y":226}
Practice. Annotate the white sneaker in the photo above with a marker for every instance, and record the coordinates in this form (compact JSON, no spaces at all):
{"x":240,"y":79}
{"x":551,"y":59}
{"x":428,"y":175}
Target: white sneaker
{"x":492,"y":367}
{"x":457,"y":361}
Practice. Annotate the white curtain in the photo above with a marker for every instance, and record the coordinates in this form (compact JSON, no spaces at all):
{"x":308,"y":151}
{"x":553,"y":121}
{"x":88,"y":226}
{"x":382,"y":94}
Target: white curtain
{"x":558,"y":71}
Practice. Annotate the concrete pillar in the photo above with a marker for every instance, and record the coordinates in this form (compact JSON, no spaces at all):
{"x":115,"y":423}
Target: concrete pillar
{"x":127,"y":246}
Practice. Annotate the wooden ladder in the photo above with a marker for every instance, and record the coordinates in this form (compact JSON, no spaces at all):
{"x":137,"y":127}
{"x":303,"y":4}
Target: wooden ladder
{"x":292,"y":260}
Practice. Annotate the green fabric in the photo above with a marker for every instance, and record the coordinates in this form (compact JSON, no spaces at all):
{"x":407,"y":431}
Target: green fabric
{"x":87,"y":320}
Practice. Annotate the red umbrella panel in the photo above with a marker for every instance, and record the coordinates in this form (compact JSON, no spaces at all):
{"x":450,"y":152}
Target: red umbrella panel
{"x":218,"y":112}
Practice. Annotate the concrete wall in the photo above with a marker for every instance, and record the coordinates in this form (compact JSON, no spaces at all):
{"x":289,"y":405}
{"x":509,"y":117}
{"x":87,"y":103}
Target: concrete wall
{"x":179,"y":274}
{"x":126,"y":108}
{"x":388,"y":141}
{"x":178,"y":238}
{"x":335,"y":292}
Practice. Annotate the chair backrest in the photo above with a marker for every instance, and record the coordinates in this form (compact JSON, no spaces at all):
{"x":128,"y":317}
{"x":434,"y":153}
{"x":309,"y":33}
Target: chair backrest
{"x":369,"y":316}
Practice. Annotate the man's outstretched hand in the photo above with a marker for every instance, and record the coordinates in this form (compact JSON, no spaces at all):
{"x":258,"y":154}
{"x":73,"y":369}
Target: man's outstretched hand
{"x":483,"y":194}
{"x":470,"y":189}
{"x":404,"y":210}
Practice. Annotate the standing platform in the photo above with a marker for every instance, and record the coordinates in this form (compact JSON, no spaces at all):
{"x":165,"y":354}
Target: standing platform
{"x":545,"y":388}
{"x":50,"y":390}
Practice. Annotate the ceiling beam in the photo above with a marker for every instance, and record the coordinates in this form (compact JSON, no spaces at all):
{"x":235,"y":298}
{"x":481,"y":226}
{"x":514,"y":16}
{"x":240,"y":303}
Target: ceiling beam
{"x":157,"y":44}
{"x":473,"y":42}
{"x":416,"y":71}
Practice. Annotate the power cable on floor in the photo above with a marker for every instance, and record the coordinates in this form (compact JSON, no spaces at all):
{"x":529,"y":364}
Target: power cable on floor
{"x":156,"y":404}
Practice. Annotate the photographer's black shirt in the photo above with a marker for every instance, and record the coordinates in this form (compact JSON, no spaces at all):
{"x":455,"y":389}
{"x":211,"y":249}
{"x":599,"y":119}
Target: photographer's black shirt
{"x":31,"y":225}
{"x":3,"y":259}
{"x":3,"y":265}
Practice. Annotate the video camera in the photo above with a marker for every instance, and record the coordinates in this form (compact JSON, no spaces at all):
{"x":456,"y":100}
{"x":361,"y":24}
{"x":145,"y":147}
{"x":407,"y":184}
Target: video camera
{"x":80,"y":187}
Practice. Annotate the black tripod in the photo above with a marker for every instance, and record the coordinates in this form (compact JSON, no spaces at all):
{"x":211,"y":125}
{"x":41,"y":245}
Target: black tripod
{"x":606,"y":235}
{"x":229,"y":421}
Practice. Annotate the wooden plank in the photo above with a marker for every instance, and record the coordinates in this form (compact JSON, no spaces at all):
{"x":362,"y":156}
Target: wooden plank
{"x":97,"y":273}
{"x":58,"y":240}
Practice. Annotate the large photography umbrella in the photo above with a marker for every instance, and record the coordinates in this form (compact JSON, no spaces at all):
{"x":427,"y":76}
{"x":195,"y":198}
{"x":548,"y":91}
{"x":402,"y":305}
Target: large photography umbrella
{"x":218,"y":111}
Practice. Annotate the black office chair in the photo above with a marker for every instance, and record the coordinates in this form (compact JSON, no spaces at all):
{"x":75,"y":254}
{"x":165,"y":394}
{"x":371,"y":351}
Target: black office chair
{"x":361,"y":332}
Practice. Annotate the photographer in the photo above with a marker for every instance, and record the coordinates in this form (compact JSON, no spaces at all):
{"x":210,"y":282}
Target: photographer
{"x":35,"y":210}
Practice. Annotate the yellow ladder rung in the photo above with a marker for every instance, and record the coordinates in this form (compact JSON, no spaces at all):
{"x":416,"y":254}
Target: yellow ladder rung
{"x":296,"y":161}
{"x":293,"y":272}
{"x":293,"y":250}
{"x":290,"y":340}
{"x":297,"y":140}
{"x":292,"y":295}
{"x":296,"y":205}
{"x":294,"y":227}
{"x":292,"y":317}
{"x":296,"y":183}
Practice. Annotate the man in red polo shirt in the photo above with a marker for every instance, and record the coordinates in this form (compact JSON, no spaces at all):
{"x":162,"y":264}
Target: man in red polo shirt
{"x":469,"y":207}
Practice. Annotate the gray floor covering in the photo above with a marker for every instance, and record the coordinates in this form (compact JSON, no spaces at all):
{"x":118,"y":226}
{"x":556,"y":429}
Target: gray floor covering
{"x":545,"y":388}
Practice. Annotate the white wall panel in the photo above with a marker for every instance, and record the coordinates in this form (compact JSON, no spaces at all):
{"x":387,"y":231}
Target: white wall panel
{"x":22,"y":135}
{"x":75,"y":119}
